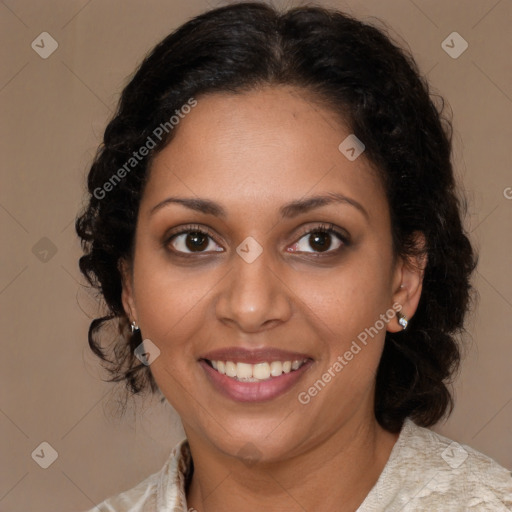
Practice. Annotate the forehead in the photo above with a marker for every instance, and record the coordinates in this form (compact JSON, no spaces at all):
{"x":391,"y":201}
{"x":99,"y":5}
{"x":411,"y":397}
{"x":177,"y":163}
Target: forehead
{"x":261,"y":149}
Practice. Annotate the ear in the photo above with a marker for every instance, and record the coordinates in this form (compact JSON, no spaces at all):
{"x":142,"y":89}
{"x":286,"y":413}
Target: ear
{"x":126,"y":270}
{"x":408,"y":282}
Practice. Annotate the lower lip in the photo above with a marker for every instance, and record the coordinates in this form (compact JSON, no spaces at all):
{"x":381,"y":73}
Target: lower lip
{"x":253,"y":391}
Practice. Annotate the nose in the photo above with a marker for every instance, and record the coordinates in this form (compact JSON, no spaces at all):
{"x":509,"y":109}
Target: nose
{"x":254,"y":296}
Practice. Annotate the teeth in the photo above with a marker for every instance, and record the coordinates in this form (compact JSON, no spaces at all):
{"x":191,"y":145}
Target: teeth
{"x":243,"y":370}
{"x":296,"y":365}
{"x":260,"y":371}
{"x":230,"y":369}
{"x":276,"y":368}
{"x":256,"y":372}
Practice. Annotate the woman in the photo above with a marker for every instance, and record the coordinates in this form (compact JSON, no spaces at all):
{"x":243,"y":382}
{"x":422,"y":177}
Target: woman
{"x":274,"y":225}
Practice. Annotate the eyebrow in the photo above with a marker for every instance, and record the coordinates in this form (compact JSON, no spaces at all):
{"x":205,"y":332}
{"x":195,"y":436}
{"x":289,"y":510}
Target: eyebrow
{"x":287,"y":211}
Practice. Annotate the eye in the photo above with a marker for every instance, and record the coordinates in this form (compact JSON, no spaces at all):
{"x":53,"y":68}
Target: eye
{"x":196,"y":239}
{"x":321,"y":239}
{"x":191,"y":239}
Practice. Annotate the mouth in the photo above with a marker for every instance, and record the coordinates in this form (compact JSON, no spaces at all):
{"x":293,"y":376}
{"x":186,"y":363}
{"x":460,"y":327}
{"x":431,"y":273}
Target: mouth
{"x":257,"y":381}
{"x":262,"y":371}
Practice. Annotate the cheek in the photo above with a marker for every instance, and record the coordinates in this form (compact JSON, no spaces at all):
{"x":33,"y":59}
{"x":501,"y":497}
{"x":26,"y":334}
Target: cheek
{"x":172,"y":308}
{"x":171,"y":300}
{"x":345,"y":311}
{"x":349,"y":299}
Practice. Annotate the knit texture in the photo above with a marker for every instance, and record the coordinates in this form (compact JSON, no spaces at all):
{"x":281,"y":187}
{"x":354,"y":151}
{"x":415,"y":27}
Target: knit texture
{"x":425,"y":472}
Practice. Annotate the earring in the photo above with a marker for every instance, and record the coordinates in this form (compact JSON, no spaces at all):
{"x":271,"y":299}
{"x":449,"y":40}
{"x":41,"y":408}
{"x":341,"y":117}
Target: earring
{"x":402,"y":320}
{"x":134,"y":326}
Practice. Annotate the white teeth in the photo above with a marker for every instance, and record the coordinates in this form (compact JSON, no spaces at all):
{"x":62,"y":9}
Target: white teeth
{"x":255,"y":372}
{"x":296,"y":365}
{"x":276,"y":368}
{"x":261,"y":371}
{"x":230,"y":369}
{"x":243,"y":370}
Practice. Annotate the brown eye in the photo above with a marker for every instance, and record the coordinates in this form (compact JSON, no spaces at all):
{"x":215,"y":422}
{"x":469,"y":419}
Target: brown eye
{"x":196,"y":240}
{"x":320,"y":240}
{"x":191,"y":241}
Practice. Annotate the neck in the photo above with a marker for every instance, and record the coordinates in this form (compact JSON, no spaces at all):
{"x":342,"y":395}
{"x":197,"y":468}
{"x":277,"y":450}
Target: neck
{"x":337,"y":474}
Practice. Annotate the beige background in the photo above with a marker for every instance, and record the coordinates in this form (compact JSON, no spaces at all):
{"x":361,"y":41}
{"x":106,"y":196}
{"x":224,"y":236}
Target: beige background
{"x":53,"y":112}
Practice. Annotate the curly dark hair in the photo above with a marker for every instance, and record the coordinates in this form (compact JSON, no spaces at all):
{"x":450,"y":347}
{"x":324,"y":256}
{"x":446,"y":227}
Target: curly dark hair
{"x":357,"y":71}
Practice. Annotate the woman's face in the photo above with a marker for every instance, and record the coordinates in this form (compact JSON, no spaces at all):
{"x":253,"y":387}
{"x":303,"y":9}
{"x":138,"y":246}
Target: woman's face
{"x":257,"y":279}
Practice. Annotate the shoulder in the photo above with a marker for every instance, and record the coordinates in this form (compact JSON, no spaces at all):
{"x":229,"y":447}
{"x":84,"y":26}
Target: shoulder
{"x":141,"y":498}
{"x":427,"y":471}
{"x":150,"y":495}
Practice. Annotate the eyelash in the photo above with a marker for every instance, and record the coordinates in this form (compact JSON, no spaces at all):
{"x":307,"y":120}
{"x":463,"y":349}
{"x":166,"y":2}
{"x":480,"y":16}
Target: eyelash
{"x":322,"y":228}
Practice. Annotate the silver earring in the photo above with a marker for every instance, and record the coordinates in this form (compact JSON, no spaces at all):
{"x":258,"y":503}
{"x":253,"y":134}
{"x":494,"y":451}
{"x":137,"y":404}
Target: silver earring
{"x":134,"y":326}
{"x":402,"y":320}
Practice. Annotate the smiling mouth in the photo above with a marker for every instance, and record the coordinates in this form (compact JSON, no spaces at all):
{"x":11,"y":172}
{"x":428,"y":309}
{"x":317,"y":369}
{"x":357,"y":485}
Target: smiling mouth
{"x":263,"y":371}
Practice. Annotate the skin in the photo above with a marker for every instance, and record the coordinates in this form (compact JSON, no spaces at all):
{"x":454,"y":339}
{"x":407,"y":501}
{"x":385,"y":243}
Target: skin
{"x":252,"y":153}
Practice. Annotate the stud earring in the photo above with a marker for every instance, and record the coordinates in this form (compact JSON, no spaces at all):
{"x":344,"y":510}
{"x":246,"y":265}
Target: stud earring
{"x":402,"y":320}
{"x":134,"y":326}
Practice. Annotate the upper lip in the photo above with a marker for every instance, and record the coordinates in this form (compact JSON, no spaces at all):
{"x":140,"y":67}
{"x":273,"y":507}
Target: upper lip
{"x":244,"y":355}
